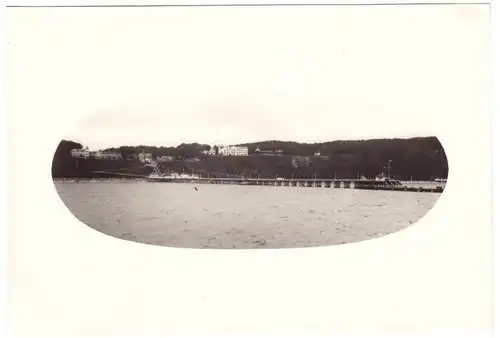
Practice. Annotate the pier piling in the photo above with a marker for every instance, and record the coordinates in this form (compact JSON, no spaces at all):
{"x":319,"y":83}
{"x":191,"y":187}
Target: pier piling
{"x":303,"y":183}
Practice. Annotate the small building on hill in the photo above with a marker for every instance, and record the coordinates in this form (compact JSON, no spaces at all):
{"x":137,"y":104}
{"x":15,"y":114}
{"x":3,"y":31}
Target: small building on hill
{"x":276,"y":152}
{"x":80,"y":153}
{"x":165,"y":158}
{"x":145,"y":157}
{"x":107,"y":155}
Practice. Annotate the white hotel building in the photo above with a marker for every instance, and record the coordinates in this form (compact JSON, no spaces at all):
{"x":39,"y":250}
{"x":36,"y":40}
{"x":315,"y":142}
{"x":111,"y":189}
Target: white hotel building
{"x":229,"y":151}
{"x":233,"y":151}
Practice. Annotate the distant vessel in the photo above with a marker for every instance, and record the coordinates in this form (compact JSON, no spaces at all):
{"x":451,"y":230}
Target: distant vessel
{"x":158,"y":176}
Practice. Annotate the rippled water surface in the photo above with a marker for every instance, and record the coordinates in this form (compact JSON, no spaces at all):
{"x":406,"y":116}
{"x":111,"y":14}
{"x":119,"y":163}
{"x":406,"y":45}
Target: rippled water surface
{"x":241,"y":217}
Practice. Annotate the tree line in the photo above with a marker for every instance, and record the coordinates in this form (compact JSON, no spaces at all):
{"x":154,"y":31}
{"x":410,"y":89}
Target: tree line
{"x":420,"y":158}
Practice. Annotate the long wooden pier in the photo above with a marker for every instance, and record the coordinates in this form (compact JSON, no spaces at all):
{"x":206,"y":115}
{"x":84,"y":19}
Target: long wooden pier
{"x":387,"y":184}
{"x":303,"y":183}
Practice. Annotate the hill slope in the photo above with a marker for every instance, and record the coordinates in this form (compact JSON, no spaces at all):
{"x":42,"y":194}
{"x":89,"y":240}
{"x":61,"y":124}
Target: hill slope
{"x":420,"y":158}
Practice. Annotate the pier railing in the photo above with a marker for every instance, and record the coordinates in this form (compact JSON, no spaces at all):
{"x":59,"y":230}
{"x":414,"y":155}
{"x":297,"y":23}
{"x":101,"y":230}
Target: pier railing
{"x":305,"y":183}
{"x":387,"y":184}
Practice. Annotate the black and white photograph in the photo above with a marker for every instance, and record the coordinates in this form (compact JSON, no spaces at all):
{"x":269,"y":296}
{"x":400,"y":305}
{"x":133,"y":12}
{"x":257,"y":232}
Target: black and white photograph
{"x":268,"y":194}
{"x":239,"y":141}
{"x":249,"y":168}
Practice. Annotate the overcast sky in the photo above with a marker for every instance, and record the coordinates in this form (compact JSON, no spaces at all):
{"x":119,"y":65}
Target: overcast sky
{"x":163,"y":76}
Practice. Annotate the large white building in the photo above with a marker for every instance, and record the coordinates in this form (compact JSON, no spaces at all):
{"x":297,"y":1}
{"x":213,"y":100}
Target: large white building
{"x":233,"y":151}
{"x":222,"y":150}
{"x":98,"y":155}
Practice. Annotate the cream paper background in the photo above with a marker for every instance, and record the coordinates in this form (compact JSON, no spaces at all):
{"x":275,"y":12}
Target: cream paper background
{"x":64,"y":277}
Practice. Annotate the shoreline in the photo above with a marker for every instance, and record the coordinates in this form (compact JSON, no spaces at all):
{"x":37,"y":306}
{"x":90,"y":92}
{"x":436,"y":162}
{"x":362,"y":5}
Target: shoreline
{"x":407,"y":186}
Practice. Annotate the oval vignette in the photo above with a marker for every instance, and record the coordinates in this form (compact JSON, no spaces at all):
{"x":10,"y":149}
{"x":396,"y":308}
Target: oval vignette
{"x":280,"y":195}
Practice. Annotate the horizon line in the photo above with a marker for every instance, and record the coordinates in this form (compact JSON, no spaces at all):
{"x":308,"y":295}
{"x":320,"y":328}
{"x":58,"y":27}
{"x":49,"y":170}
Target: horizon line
{"x":256,"y":142}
